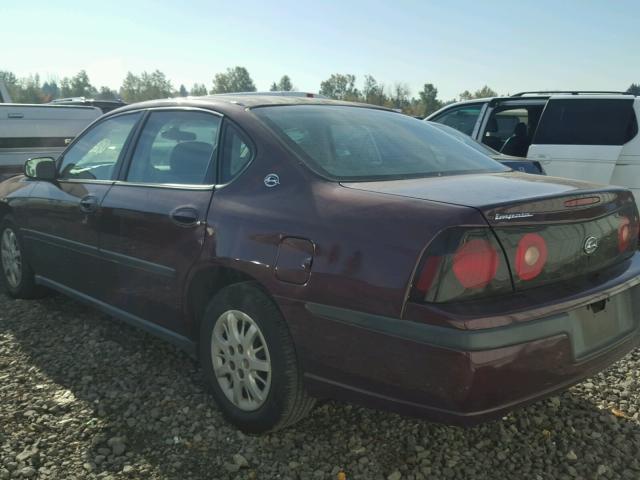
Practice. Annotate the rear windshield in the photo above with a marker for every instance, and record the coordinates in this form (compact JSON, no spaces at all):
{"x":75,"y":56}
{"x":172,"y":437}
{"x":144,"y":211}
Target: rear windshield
{"x":352,"y":143}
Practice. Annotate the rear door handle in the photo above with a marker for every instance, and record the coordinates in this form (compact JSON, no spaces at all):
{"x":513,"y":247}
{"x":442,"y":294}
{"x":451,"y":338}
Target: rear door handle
{"x":89,"y":204}
{"x":185,"y":217}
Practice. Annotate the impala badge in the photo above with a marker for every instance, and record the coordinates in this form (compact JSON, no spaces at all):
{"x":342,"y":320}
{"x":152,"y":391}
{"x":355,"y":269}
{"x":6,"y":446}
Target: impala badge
{"x":591,"y":245}
{"x":272,"y":180}
{"x":512,"y":216}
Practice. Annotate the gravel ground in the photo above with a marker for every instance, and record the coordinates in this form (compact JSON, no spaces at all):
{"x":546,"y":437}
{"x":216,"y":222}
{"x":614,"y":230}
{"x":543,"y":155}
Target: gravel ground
{"x":84,"y":396}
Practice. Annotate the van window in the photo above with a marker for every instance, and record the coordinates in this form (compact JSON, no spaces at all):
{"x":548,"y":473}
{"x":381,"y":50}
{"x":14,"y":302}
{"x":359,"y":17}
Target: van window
{"x":461,"y":118}
{"x":587,"y":122}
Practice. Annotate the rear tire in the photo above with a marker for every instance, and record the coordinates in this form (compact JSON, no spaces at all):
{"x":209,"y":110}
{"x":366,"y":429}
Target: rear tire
{"x":249,"y":361}
{"x":17,"y":275}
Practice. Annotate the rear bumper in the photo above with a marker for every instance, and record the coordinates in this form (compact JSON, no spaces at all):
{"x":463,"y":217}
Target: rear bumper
{"x":464,"y":376}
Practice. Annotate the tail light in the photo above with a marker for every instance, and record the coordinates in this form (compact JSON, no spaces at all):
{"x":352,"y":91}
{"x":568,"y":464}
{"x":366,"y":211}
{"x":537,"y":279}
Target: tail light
{"x":531,"y":256}
{"x":475,"y":263}
{"x":624,"y":234}
{"x":462,"y":263}
{"x":467,"y":263}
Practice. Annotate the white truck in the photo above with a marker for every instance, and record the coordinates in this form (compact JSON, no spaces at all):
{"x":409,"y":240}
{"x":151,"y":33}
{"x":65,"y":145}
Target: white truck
{"x":37,"y":130}
{"x":590,"y":136}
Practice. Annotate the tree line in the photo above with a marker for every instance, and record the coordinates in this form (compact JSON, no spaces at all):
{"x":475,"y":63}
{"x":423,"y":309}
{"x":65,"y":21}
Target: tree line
{"x":149,"y":86}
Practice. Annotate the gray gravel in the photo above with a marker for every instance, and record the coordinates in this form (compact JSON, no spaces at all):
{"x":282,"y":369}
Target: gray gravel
{"x":84,"y":396}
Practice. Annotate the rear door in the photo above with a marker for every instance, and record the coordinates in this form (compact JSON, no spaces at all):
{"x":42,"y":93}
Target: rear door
{"x":582,"y":137}
{"x":154,"y":217}
{"x":509,"y":124}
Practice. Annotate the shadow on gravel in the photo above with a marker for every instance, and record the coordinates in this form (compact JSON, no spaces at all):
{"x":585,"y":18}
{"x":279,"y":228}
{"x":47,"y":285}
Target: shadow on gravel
{"x":95,"y":398}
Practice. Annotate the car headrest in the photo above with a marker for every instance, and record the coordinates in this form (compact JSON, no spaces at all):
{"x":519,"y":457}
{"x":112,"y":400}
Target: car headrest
{"x":520,"y":130}
{"x":492,"y":125}
{"x":189,"y":161}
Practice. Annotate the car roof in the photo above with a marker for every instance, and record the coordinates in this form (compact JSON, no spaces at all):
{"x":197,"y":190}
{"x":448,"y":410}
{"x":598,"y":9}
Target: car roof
{"x":229,"y":102}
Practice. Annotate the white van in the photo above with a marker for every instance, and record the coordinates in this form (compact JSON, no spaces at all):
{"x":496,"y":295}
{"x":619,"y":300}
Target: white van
{"x":28,"y":131}
{"x":589,"y":136}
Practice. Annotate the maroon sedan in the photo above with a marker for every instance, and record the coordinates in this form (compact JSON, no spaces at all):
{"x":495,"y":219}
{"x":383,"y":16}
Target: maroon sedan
{"x":306,"y":248}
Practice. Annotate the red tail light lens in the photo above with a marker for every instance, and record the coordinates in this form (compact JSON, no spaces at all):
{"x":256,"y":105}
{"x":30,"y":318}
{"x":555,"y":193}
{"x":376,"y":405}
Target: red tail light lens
{"x":531,"y":256}
{"x":428,"y":273}
{"x":624,"y":234}
{"x":475,"y":263}
{"x":459,"y":264}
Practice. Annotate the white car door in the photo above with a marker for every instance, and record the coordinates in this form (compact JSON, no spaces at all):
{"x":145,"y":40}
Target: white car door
{"x":582,"y":136}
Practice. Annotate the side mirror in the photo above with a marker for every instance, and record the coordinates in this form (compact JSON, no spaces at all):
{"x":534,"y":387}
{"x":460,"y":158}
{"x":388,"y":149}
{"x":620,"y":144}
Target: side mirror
{"x":40,"y":168}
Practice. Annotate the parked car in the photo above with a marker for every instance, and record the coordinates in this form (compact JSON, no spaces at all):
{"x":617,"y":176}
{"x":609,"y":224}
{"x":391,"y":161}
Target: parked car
{"x":278,"y":93}
{"x":590,"y":136}
{"x":516,"y":163}
{"x":306,"y":248}
{"x":36,"y":130}
{"x":104,"y":105}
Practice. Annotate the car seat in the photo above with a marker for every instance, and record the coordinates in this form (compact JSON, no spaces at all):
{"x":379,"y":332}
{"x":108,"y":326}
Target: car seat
{"x":490,"y":140}
{"x":518,"y":143}
{"x":189,"y":162}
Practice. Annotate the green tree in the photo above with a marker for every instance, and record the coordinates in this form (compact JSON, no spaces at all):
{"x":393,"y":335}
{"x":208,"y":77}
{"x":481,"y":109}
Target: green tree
{"x":634,"y":89}
{"x":198,"y":90}
{"x":429,"y":99}
{"x":340,"y":87}
{"x":147,"y":86}
{"x":284,"y":85}
{"x":183,"y":91}
{"x":130,"y":88}
{"x":236,"y":79}
{"x":65,"y":87}
{"x":400,"y":96}
{"x":373,"y":92}
{"x":11,"y":82}
{"x":484,"y":92}
{"x":106,"y":93}
{"x":30,"y":90}
{"x":50,"y":90}
{"x":81,"y":86}
{"x":155,"y":85}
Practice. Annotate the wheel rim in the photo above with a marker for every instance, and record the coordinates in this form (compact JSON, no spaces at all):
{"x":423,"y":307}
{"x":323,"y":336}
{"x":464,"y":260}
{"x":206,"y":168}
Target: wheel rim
{"x":11,"y":257}
{"x":241,"y":360}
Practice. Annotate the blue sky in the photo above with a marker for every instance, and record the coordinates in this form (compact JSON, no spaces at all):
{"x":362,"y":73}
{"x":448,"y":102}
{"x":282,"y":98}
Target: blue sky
{"x":454,"y":44}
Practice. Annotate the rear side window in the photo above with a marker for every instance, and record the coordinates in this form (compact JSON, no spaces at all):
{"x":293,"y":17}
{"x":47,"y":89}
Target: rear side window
{"x":351,"y":143}
{"x":175,"y":147}
{"x":236,"y":153}
{"x":587,"y":122}
{"x":461,"y":118}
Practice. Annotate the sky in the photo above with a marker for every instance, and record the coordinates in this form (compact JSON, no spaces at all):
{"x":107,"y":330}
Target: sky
{"x":455,"y":44}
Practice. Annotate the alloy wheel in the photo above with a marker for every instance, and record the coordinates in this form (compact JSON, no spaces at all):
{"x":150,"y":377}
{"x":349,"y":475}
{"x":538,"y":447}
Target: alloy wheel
{"x":241,"y":360}
{"x":11,"y":258}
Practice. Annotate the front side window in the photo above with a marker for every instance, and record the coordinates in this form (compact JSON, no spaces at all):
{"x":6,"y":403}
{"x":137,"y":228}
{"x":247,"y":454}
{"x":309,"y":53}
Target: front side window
{"x":352,"y":143}
{"x":587,"y":122}
{"x":461,"y":118}
{"x":95,"y":155}
{"x":176,"y":147}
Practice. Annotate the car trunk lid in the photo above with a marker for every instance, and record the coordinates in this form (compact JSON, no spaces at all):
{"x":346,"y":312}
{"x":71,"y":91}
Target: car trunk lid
{"x":573,"y":228}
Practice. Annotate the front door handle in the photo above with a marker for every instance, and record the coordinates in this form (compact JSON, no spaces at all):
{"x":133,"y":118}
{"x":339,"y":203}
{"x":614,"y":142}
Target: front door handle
{"x":185,"y":217}
{"x":89,"y":204}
